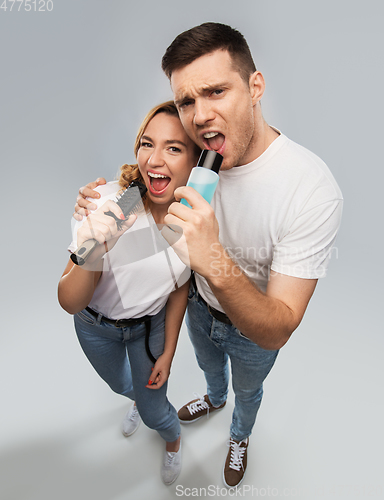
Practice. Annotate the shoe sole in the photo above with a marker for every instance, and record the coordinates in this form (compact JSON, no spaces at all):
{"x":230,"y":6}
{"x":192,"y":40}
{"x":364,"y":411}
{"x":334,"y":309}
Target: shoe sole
{"x":169,"y":484}
{"x":186,"y":422}
{"x":130,"y":434}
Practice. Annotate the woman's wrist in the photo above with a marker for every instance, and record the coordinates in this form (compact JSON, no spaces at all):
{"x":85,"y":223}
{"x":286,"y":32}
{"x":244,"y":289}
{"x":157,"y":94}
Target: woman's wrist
{"x":168,"y":354}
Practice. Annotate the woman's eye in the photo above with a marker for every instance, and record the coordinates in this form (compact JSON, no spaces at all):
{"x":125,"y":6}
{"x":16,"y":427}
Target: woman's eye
{"x":146,"y":145}
{"x":174,"y":149}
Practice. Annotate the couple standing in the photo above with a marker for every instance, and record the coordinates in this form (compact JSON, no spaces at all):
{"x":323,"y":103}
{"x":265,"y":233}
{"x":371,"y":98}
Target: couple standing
{"x":276,"y":207}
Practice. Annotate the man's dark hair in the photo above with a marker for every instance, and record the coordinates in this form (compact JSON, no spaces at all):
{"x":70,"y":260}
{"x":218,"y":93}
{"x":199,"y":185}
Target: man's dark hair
{"x":205,"y":39}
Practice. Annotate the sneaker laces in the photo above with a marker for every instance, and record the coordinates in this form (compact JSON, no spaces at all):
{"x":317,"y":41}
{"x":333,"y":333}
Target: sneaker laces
{"x":198,"y":405}
{"x":133,"y":413}
{"x":169,"y":458}
{"x":237,"y":455}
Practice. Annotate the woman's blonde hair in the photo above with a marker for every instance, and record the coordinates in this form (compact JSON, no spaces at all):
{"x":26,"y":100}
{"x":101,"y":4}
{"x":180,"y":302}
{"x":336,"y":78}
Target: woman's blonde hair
{"x":131,"y":173}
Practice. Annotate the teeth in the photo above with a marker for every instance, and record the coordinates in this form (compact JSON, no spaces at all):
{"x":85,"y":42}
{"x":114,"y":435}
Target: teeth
{"x":209,"y":135}
{"x":157,"y":176}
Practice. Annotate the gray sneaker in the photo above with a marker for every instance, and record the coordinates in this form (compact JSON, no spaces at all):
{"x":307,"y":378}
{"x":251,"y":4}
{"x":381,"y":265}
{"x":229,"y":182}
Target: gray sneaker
{"x":196,"y":409}
{"x":131,"y":421}
{"x":171,"y":466}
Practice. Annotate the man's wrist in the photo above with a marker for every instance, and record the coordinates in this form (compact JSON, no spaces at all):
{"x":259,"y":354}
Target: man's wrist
{"x":222,"y":267}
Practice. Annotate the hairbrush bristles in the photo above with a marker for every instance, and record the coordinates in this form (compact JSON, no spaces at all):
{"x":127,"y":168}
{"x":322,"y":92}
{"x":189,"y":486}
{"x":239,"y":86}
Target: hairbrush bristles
{"x":129,"y":201}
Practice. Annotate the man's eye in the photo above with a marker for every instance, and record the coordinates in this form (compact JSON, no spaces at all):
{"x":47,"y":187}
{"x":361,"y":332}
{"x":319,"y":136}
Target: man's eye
{"x":218,"y":91}
{"x":185,"y":104}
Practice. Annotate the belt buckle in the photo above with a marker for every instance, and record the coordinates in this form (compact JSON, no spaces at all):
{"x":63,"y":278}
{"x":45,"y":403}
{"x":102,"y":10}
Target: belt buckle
{"x":119,"y":323}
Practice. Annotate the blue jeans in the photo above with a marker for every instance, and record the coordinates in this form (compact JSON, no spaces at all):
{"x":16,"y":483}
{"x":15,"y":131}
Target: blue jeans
{"x":119,"y":357}
{"x":214,"y":343}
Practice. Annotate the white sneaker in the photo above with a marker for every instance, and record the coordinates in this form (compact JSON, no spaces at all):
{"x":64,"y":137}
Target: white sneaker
{"x":171,"y":466}
{"x":131,"y":421}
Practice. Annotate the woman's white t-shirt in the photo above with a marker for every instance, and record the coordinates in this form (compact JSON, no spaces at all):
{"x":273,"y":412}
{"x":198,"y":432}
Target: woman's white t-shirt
{"x":139,"y":272}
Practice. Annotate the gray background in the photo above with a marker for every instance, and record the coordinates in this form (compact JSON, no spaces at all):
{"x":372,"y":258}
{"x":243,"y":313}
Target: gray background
{"x":75,"y":83}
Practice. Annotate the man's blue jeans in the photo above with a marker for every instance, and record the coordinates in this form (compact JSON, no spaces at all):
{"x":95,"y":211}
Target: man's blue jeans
{"x":119,"y":357}
{"x":216,"y":342}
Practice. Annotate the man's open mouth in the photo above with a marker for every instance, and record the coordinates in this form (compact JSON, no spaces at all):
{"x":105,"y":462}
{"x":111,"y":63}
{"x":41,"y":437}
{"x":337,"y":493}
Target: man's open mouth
{"x":158,"y":182}
{"x":215,"y":141}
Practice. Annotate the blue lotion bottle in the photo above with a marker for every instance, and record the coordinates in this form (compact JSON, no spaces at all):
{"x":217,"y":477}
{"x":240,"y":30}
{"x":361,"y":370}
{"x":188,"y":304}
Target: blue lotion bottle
{"x":204,"y":177}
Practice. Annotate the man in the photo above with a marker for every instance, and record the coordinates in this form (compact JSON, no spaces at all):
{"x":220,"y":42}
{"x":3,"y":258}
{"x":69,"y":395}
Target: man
{"x":258,"y":250}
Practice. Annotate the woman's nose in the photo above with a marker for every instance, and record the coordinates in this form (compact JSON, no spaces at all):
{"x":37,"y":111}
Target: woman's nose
{"x":156,"y":159}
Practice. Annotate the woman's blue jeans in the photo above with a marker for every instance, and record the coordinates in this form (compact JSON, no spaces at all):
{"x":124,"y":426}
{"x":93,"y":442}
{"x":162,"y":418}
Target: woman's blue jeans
{"x":214,"y":343}
{"x":119,"y":357}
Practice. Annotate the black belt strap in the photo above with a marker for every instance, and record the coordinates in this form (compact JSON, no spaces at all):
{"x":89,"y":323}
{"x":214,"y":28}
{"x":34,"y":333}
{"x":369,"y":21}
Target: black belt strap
{"x":147,"y":332}
{"x":123,"y":323}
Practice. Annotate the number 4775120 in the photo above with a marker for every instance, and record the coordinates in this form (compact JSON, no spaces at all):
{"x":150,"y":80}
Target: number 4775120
{"x":27,"y":5}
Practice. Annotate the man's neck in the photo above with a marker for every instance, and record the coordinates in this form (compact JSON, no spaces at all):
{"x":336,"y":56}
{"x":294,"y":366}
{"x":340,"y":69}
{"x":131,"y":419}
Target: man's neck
{"x":264,"y":136}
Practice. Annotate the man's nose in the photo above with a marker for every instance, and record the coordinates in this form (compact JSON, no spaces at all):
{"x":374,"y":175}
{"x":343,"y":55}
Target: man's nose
{"x":203,"y":112}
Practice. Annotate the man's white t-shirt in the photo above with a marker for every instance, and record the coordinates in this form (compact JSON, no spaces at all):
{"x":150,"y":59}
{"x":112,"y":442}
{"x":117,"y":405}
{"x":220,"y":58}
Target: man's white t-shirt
{"x":280,"y":212}
{"x":139,"y":272}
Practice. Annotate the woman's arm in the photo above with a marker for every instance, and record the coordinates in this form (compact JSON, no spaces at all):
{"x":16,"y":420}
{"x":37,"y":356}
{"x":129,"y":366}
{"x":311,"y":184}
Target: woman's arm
{"x":76,"y":287}
{"x":77,"y":284}
{"x":176,"y":305}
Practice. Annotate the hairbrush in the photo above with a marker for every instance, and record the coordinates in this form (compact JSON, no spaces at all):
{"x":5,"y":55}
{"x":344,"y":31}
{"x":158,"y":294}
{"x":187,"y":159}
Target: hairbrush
{"x":129,"y":202}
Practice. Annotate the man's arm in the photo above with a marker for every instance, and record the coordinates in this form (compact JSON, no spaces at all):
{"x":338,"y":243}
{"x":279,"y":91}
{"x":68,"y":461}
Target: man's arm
{"x":83,"y":206}
{"x":268,"y":318}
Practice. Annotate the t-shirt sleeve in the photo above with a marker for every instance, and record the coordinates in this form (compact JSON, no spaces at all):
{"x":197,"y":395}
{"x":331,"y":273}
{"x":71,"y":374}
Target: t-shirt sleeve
{"x":306,"y":249}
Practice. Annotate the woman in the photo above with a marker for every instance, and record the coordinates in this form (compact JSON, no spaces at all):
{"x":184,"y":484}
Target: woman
{"x":138,"y":277}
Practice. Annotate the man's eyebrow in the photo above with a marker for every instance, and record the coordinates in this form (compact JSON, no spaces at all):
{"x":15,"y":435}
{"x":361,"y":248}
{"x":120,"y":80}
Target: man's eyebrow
{"x":181,"y":99}
{"x":209,"y":88}
{"x":204,"y":89}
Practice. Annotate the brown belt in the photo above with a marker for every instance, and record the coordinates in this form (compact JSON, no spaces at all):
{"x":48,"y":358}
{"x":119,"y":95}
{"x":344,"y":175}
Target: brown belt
{"x":214,"y":312}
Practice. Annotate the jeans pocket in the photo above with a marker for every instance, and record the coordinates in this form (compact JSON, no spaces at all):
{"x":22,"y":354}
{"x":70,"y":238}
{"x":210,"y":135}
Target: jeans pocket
{"x":86,"y":317}
{"x":241,"y":334}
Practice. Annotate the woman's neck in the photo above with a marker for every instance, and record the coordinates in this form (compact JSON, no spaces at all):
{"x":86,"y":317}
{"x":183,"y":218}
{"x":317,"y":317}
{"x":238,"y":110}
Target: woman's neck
{"x":158,"y":212}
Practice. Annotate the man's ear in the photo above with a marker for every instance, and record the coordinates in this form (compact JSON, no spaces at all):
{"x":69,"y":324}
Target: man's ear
{"x":256,"y":86}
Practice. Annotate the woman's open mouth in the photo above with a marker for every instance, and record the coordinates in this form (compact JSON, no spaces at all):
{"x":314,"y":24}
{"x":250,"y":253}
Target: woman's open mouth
{"x":158,"y":183}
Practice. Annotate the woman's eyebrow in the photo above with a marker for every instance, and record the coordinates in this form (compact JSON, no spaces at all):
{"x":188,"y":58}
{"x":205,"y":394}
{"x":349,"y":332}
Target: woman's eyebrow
{"x":175,"y":141}
{"x":167,"y":142}
{"x":146,"y":138}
